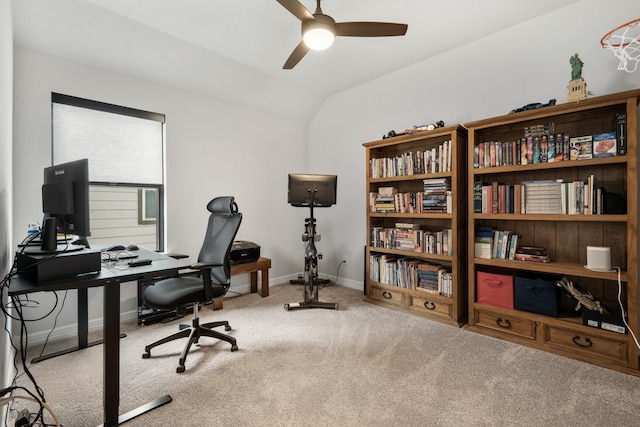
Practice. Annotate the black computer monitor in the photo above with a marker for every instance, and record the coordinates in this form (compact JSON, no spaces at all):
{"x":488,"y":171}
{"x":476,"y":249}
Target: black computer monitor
{"x":65,"y":202}
{"x":302,"y":187}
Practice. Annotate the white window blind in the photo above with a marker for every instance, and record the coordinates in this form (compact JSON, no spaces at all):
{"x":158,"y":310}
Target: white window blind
{"x":121,"y":148}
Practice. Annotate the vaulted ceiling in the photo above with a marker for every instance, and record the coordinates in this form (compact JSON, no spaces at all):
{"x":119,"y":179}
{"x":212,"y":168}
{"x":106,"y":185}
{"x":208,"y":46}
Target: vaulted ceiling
{"x":231,"y":49}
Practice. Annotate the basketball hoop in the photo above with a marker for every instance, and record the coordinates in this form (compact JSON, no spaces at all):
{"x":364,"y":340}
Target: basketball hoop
{"x":624,"y":42}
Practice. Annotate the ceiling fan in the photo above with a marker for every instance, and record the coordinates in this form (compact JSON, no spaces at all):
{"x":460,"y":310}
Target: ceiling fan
{"x":319,"y":30}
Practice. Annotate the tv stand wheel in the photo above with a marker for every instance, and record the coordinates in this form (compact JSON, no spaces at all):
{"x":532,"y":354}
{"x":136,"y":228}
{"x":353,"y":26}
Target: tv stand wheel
{"x":286,"y":307}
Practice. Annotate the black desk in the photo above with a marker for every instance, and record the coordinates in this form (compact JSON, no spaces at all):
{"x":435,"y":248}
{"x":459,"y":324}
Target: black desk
{"x":109,"y":279}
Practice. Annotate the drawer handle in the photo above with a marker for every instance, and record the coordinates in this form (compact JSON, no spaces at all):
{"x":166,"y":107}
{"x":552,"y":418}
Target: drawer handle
{"x":429,"y":305}
{"x":503,"y":323}
{"x":588,"y":342}
{"x":387,"y":295}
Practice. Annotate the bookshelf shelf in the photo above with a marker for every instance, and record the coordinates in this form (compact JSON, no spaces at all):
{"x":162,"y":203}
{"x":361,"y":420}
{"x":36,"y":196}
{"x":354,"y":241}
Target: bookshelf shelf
{"x":564,"y":237}
{"x":446,"y":229}
{"x":409,"y":215}
{"x":411,"y":254}
{"x":553,"y":217}
{"x":563,"y":268}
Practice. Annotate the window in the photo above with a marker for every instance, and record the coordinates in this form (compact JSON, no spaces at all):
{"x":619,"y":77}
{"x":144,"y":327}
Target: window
{"x":147,"y":206}
{"x":125,"y":148}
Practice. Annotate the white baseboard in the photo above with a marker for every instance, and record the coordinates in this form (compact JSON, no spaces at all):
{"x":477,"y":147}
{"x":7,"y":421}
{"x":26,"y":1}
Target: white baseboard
{"x":131,"y":316}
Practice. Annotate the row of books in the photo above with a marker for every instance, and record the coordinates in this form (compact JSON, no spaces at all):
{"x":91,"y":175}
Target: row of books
{"x":437,"y":159}
{"x":411,"y":273}
{"x":547,"y":148}
{"x":436,"y":197}
{"x":540,"y":197}
{"x":408,"y":237}
{"x":490,"y":243}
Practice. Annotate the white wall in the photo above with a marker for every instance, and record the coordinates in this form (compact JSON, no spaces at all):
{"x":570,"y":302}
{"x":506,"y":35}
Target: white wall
{"x":520,"y":65}
{"x":213,"y":148}
{"x":6,"y":99}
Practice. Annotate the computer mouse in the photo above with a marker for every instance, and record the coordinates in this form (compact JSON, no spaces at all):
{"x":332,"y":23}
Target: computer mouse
{"x":132,"y":248}
{"x":115,"y":248}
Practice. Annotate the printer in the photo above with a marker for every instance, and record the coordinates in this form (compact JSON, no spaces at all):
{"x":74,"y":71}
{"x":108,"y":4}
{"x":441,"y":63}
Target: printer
{"x":243,"y":252}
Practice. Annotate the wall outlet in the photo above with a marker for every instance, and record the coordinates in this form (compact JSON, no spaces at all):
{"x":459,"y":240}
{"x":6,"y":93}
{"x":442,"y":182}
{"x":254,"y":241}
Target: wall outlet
{"x":344,"y":259}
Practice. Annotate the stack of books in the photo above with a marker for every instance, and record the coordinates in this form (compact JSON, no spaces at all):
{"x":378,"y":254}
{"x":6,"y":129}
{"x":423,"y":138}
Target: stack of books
{"x":434,"y":278}
{"x":437,"y":195}
{"x":532,"y":253}
{"x":483,"y":242}
{"x":543,"y":197}
{"x":383,"y":200}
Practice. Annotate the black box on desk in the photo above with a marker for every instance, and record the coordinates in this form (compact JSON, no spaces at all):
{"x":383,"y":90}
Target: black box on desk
{"x":537,"y":293}
{"x":48,"y":266}
{"x":607,"y":321}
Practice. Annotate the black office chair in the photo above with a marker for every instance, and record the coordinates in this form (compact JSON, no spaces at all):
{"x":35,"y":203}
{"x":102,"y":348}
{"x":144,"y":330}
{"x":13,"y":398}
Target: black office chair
{"x":213,"y":280}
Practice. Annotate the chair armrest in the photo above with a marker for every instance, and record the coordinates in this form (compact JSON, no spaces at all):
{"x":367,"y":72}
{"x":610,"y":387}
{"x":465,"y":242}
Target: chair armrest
{"x":177,"y":255}
{"x":205,"y":265}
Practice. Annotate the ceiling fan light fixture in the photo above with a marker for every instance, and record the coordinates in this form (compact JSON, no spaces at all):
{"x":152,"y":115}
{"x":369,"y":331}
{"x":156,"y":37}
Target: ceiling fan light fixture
{"x":318,"y":37}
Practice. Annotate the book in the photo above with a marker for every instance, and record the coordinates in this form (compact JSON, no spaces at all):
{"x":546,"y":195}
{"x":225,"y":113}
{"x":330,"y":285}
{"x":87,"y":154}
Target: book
{"x":531,"y":250}
{"x":532,"y":258}
{"x":620,"y":126}
{"x":604,"y":144}
{"x":581,"y":147}
{"x":559,"y":147}
{"x":477,"y":196}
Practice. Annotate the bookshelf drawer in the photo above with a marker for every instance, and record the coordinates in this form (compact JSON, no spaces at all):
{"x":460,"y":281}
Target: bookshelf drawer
{"x":506,"y":324}
{"x":387,"y":296}
{"x":427,"y":305}
{"x":590,"y":346}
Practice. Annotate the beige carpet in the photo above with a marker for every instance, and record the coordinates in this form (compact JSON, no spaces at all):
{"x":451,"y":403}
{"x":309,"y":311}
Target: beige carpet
{"x":362,"y":365}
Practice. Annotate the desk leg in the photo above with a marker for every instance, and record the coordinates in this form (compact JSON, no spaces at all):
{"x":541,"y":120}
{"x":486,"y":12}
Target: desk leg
{"x":111,"y":362}
{"x":83,"y":318}
{"x":111,"y":373}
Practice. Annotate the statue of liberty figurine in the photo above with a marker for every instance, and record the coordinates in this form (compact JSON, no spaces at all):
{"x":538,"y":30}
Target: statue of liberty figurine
{"x":576,"y":67}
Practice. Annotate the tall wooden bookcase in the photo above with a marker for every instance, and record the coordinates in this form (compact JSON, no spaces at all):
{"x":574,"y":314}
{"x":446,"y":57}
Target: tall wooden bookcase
{"x":387,"y":165}
{"x":564,"y":236}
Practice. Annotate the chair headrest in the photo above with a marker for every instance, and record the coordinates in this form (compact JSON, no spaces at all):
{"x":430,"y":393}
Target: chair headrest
{"x":223,"y":204}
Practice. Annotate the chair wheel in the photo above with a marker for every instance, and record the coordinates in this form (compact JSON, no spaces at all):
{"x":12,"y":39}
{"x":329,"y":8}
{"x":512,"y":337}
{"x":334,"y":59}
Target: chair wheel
{"x":180,"y":369}
{"x":234,"y":348}
{"x":227,"y":328}
{"x":146,"y":355}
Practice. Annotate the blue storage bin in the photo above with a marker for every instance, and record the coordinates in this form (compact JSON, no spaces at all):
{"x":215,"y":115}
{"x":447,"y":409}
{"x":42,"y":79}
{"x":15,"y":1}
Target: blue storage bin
{"x":537,"y":293}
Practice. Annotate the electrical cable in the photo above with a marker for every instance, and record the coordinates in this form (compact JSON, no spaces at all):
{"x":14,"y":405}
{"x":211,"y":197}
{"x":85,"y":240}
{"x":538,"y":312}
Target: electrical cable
{"x":16,"y":304}
{"x":622,"y":308}
{"x":44,"y":405}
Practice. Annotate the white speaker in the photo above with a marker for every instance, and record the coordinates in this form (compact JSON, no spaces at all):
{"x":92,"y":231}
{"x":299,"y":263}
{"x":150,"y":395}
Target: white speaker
{"x":598,"y":258}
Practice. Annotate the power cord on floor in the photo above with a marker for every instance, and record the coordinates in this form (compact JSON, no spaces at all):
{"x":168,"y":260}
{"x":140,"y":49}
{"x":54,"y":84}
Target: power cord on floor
{"x":624,"y":316}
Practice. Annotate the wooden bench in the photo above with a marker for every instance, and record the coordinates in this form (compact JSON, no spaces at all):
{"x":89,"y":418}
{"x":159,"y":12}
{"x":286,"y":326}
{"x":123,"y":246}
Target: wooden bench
{"x":262,"y":265}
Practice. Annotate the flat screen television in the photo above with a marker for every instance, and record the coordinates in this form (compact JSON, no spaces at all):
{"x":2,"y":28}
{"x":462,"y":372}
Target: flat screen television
{"x":303,"y":188}
{"x":65,"y":203}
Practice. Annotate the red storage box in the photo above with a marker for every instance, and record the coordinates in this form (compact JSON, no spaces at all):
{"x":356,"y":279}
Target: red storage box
{"x":494,"y":289}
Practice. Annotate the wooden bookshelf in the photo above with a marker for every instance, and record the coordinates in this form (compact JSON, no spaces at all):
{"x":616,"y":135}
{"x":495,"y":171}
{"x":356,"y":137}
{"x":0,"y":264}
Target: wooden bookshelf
{"x":449,"y":307}
{"x":564,"y":236}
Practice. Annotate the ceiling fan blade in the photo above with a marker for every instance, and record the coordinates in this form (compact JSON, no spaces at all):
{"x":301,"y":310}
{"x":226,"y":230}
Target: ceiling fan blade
{"x":297,"y":9}
{"x":298,"y":53}
{"x":370,"y":29}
